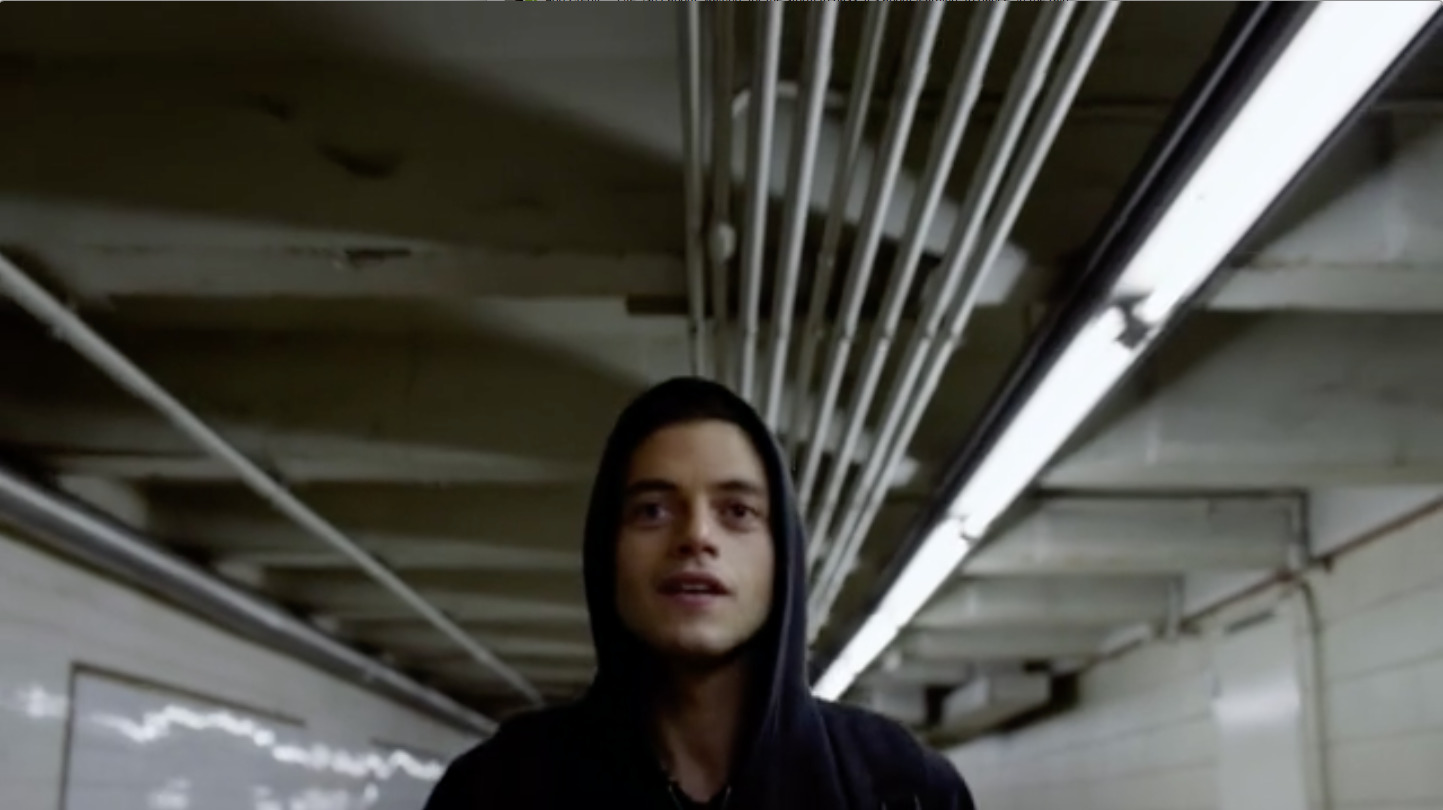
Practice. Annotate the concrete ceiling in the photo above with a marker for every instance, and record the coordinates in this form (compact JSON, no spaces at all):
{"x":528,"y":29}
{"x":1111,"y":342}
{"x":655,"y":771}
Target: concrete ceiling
{"x":414,"y":257}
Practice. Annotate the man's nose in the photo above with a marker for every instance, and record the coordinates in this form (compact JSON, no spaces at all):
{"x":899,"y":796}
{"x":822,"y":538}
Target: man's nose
{"x":698,"y":535}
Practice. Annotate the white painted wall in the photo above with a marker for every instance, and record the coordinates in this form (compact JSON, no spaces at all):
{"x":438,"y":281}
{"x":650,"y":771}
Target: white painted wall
{"x":1338,"y":515}
{"x":1335,"y":517}
{"x":54,"y":616}
{"x":1142,"y":734}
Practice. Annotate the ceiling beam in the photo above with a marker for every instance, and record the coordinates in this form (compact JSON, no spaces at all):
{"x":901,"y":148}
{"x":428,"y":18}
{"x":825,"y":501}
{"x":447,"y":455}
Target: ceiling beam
{"x":344,"y":602}
{"x":293,"y":456}
{"x":92,"y":274}
{"x":990,"y":699}
{"x":896,"y":670}
{"x":509,"y":526}
{"x":403,"y":554}
{"x":1362,"y":288}
{"x":476,"y":610}
{"x":1076,"y":536}
{"x":1067,"y":602}
{"x":995,"y":644}
{"x":1281,"y":402}
{"x":102,"y":273}
{"x":485,"y":394}
{"x":330,"y":407}
{"x":419,"y":646}
{"x":546,"y":660}
{"x":541,"y":674}
{"x":348,"y":587}
{"x":341,"y":460}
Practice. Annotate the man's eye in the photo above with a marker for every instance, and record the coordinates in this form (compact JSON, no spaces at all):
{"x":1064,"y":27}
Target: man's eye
{"x":741,"y":512}
{"x":648,"y":512}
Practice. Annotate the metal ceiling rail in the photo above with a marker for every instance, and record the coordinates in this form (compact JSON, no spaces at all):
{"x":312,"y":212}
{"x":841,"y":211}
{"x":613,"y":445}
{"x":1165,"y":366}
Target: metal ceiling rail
{"x":67,"y":326}
{"x":805,"y":136}
{"x":858,"y":105}
{"x":102,"y":542}
{"x":723,"y":68}
{"x":689,"y":36}
{"x":962,"y":93}
{"x":927,"y":20}
{"x":759,"y":172}
{"x":908,"y":404}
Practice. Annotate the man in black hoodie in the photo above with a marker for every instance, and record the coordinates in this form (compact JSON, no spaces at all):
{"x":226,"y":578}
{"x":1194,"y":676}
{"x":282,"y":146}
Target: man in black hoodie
{"x":695,"y":582}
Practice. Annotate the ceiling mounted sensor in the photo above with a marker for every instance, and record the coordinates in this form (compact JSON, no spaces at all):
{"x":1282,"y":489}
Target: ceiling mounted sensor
{"x":1292,"y":109}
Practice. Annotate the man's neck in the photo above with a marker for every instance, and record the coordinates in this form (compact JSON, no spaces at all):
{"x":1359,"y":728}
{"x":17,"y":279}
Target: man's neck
{"x":698,"y":719}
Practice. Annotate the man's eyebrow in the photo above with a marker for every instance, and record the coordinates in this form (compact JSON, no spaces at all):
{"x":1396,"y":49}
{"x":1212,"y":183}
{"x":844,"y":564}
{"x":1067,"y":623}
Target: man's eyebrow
{"x":738,"y":486}
{"x":742,"y":486}
{"x":647,"y":485}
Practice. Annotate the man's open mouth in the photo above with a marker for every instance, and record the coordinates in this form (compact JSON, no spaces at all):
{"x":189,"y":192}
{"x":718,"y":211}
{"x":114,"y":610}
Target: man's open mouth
{"x":693,"y":584}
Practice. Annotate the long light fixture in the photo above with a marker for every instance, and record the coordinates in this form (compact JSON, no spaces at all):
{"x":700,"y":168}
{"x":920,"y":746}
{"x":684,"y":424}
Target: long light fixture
{"x":1334,"y":59}
{"x":1337,"y":57}
{"x":934,"y":562}
{"x":1087,"y":369}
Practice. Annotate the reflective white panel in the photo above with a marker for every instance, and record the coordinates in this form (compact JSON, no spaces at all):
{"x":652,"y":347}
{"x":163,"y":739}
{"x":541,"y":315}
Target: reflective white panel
{"x":139,"y":747}
{"x":1258,"y":710}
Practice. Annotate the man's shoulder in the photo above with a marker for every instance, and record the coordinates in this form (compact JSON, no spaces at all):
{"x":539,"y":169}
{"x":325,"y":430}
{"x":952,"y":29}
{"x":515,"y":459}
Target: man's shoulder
{"x":518,"y":759}
{"x":897,"y":759}
{"x":532,"y":723}
{"x":522,"y":734}
{"x":861,"y":728}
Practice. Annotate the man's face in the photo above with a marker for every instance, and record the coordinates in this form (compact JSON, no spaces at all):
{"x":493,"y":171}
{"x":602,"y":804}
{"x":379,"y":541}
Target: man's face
{"x":694,"y":557}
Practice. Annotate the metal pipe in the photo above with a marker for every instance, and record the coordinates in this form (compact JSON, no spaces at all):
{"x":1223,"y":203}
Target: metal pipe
{"x":787,"y":91}
{"x":1250,"y":41}
{"x":759,"y":172}
{"x":1321,"y":771}
{"x":799,"y":187}
{"x":1023,"y":91}
{"x":962,"y":93}
{"x":920,"y":40}
{"x":1253,"y":37}
{"x":1091,"y":30}
{"x":863,"y":78}
{"x":1248,"y":44}
{"x":718,"y":257}
{"x":100,"y":541}
{"x":71,"y":329}
{"x":689,"y":36}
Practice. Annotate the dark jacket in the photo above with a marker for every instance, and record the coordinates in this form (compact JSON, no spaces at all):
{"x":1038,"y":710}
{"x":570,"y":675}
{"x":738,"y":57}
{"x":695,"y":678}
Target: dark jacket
{"x":803,"y":752}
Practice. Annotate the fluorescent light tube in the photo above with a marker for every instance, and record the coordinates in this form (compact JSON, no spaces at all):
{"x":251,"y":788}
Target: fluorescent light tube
{"x":1080,"y":378}
{"x":862,"y":650}
{"x":934,"y":561}
{"x":1330,"y":65}
{"x":1087,"y":369}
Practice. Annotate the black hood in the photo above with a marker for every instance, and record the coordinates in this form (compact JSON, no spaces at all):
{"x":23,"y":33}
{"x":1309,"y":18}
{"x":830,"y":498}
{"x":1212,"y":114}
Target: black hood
{"x":794,"y":752}
{"x":783,"y":707}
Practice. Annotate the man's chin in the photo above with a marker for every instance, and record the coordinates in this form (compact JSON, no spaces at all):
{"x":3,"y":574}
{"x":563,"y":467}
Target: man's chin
{"x":702,"y":653}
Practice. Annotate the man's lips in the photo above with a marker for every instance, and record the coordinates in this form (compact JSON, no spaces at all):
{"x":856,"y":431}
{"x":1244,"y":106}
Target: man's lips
{"x":693,"y":584}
